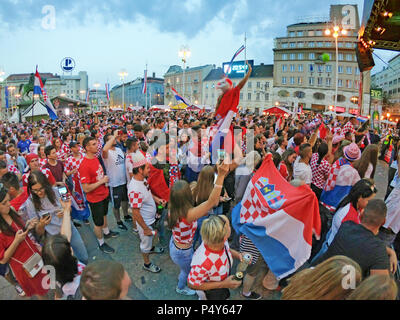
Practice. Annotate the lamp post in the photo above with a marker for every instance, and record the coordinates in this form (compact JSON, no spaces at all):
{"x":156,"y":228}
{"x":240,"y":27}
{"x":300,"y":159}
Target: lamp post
{"x":123,"y":74}
{"x":97,"y":85}
{"x":335,"y":32}
{"x":184,"y":54}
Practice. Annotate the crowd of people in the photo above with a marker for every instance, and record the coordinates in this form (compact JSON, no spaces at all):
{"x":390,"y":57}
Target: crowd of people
{"x":157,"y":167}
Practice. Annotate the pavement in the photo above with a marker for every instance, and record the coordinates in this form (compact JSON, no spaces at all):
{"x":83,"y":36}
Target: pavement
{"x":161,"y":286}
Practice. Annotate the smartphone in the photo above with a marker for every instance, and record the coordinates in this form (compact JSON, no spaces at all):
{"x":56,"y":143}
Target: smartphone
{"x":47,"y":214}
{"x":221,"y":155}
{"x":64,"y":193}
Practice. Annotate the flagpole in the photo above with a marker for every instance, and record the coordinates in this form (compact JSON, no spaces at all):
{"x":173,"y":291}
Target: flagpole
{"x":245,"y":47}
{"x":146,"y":88}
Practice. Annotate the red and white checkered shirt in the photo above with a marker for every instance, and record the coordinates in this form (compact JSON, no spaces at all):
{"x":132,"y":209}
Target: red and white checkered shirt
{"x":42,"y":162}
{"x":99,"y":146}
{"x":184,"y":232}
{"x":141,"y":198}
{"x":13,"y":169}
{"x":208,"y":265}
{"x":25,"y":176}
{"x":72,"y":163}
{"x":348,"y":128}
{"x":67,"y":150}
{"x":319,"y":172}
{"x":61,"y":156}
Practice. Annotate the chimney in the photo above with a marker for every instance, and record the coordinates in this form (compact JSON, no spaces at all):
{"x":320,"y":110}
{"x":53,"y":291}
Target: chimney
{"x":154,"y":74}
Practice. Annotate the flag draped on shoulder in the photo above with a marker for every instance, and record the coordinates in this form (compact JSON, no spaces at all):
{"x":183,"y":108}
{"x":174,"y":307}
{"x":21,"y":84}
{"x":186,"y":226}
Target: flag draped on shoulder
{"x":40,"y":90}
{"x":279,"y":219}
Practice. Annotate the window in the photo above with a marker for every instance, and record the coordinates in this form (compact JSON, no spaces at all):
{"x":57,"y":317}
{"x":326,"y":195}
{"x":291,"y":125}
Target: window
{"x":292,"y":34}
{"x":340,"y":83}
{"x":267,"y":85}
{"x":318,"y":33}
{"x":328,"y":82}
{"x":311,"y":44}
{"x":340,"y":69}
{"x":292,"y":68}
{"x":349,"y":84}
{"x":328,"y":69}
{"x":285,"y":45}
{"x":311,"y":33}
{"x":320,"y":69}
{"x":300,"y":44}
{"x":258,"y":97}
{"x":300,"y":33}
{"x":284,"y":80}
{"x":311,"y":81}
{"x":249,"y":85}
{"x":300,"y":80}
{"x":341,"y":56}
{"x":300,"y":56}
{"x":284,"y":56}
{"x":349,"y":45}
{"x":291,"y":80}
{"x":249,"y":96}
{"x":267,"y":97}
{"x":328,"y":44}
{"x":258,"y":85}
{"x":311,"y":56}
{"x":341,"y":44}
{"x":301,"y":69}
{"x":292,"y":56}
{"x":213,"y":86}
{"x":293,"y":44}
{"x":349,"y":57}
{"x":357,"y":71}
{"x":241,"y":96}
{"x":311,"y":67}
{"x":207,"y":86}
{"x":320,"y":44}
{"x":284,"y":68}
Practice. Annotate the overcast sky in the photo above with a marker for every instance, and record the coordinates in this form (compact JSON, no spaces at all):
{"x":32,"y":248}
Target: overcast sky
{"x":105,"y":36}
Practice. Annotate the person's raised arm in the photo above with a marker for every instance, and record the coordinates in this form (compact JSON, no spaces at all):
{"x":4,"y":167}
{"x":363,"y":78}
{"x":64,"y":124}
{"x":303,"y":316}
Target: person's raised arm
{"x":246,"y":78}
{"x":109,"y":144}
{"x":66,"y":223}
{"x":213,"y":200}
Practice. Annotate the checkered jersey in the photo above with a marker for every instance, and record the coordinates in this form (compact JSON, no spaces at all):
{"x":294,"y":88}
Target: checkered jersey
{"x":135,"y":199}
{"x":72,"y":163}
{"x":61,"y":156}
{"x":348,"y":128}
{"x":331,"y":181}
{"x":11,"y":168}
{"x":208,"y":265}
{"x":25,"y":176}
{"x":319,"y":172}
{"x":67,"y":150}
{"x":42,"y":162}
{"x":99,"y":146}
{"x":184,"y":232}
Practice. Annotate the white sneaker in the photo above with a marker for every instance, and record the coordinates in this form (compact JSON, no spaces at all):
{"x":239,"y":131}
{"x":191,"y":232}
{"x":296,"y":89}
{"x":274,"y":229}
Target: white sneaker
{"x":186,"y":291}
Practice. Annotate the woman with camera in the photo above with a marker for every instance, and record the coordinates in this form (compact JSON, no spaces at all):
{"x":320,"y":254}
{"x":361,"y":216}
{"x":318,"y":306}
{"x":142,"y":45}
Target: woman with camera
{"x":18,"y":249}
{"x":45,"y":204}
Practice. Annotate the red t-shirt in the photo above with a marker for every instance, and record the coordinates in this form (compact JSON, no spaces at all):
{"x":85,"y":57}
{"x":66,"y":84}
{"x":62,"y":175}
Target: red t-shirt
{"x":17,"y":202}
{"x":91,"y":172}
{"x":229,"y":101}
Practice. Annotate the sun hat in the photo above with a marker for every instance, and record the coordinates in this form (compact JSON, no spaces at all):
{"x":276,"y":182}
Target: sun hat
{"x":352,"y":152}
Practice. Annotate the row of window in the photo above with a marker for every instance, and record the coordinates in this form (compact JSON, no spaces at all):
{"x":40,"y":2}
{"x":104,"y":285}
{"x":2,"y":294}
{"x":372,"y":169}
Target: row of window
{"x":310,"y":33}
{"x":258,"y":96}
{"x":349,"y":84}
{"x":319,"y":68}
{"x":313,"y":56}
{"x":317,"y":44}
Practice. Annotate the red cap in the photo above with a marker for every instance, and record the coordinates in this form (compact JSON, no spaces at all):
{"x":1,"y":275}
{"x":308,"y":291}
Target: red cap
{"x":31,"y":157}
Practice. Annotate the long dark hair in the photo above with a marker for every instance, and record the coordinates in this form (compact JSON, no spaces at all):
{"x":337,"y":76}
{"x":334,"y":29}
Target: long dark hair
{"x":322,"y":152}
{"x":370,"y":155}
{"x":4,"y":226}
{"x":56,"y":252}
{"x":37,"y":177}
{"x":180,"y":202}
{"x":362,"y":189}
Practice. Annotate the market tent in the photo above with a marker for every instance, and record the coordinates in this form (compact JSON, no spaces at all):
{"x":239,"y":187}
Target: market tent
{"x":159,"y":108}
{"x":277,"y":110}
{"x":37,"y":109}
{"x":330,"y":113}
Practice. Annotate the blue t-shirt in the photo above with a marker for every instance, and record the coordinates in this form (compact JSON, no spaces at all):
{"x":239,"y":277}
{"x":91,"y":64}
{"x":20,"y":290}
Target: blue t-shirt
{"x":23,"y":146}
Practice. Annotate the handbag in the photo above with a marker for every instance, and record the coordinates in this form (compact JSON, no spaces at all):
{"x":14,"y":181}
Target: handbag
{"x":222,"y":293}
{"x":33,"y":265}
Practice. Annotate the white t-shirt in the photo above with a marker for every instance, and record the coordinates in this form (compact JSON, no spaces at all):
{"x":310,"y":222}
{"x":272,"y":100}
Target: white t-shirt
{"x":115,"y":167}
{"x":280,"y":151}
{"x":302,"y":171}
{"x":129,"y":165}
{"x":140,"y":198}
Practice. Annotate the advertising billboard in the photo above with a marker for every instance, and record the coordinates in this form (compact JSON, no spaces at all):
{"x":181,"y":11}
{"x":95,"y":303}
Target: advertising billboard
{"x":238,"y":70}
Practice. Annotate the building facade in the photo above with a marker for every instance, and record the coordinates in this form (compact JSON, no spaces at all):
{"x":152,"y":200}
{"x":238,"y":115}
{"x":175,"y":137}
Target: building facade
{"x":189,"y":84}
{"x":303,"y":78}
{"x":256,"y":95}
{"x":134,"y":95}
{"x":389,"y":81}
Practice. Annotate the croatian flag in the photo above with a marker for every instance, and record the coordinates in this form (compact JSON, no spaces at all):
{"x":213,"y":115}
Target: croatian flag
{"x":144,"y":88}
{"x":279,"y":219}
{"x":178,"y":97}
{"x":240,"y":50}
{"x":278,"y":124}
{"x":39,"y":89}
{"x":108,"y":91}
{"x":87,"y":95}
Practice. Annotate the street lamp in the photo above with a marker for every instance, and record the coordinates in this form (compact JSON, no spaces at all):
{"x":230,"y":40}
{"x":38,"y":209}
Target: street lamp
{"x":96,"y":85}
{"x":184,"y":54}
{"x":336,"y":32}
{"x":123,"y":74}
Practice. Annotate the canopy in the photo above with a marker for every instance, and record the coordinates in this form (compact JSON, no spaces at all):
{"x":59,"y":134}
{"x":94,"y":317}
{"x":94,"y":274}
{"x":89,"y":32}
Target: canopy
{"x":159,"y":108}
{"x":277,"y":110}
{"x":330,"y":113}
{"x":346,"y":115}
{"x":36,"y":109}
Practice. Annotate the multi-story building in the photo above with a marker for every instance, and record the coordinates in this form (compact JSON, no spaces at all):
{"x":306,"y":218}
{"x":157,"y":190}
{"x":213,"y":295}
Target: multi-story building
{"x":256,"y":94}
{"x":189,"y":84}
{"x":303,"y":78}
{"x":72,"y":87}
{"x":134,"y":95}
{"x":389,"y":81}
{"x":98,"y":99}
